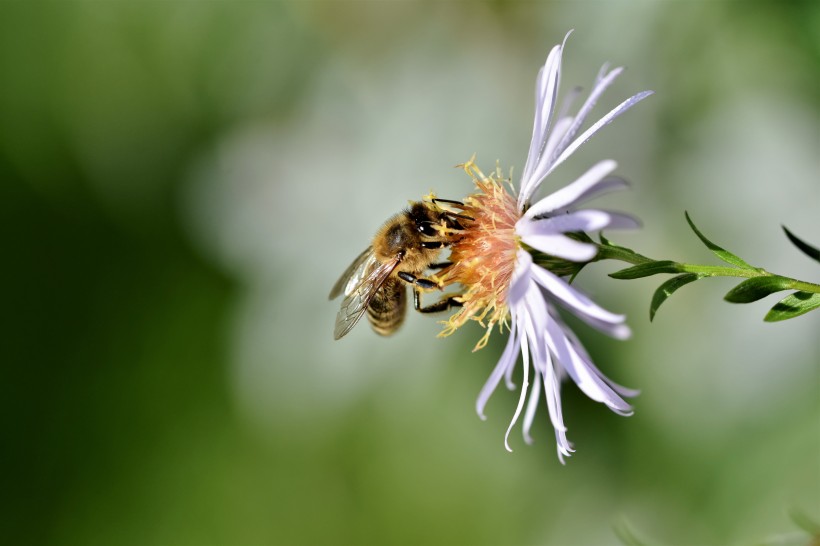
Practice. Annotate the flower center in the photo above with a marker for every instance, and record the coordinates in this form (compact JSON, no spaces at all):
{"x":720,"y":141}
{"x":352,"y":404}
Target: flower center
{"x":483,"y":254}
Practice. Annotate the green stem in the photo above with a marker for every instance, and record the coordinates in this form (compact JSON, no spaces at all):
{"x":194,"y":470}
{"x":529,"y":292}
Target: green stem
{"x":611,"y":252}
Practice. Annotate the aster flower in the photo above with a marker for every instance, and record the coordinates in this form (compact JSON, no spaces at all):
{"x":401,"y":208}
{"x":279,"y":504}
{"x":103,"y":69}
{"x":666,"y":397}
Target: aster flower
{"x":512,"y":258}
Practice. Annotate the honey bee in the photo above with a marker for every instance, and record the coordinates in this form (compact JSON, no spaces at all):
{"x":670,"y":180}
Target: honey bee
{"x":405,"y":247}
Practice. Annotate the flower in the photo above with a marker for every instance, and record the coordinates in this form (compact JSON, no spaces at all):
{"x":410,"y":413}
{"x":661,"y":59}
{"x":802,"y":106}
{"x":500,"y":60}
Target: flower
{"x":512,"y":257}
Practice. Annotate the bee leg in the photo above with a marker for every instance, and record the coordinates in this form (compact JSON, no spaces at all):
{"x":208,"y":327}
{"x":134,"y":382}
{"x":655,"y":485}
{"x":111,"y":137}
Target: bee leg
{"x":442,"y":305}
{"x":433,"y":244}
{"x":439,"y":265}
{"x":417,"y":281}
{"x":438,"y":200}
{"x":452,"y":214}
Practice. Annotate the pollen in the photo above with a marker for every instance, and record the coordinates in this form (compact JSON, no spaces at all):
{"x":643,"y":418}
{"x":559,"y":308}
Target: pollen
{"x":483,"y":254}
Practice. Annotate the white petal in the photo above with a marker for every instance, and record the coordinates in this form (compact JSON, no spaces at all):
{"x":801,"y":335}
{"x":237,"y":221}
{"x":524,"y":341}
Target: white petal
{"x":564,"y":446}
{"x":546,"y":92}
{"x":537,"y":317}
{"x":520,"y":278}
{"x":576,"y":343}
{"x":547,"y":85}
{"x":542,"y":360}
{"x":614,"y":113}
{"x":614,"y":330}
{"x":552,"y":388}
{"x":508,"y":358}
{"x":555,"y":136}
{"x":532,"y":406}
{"x":608,"y":184}
{"x":619,"y":220}
{"x":525,"y":383}
{"x":561,"y":246}
{"x":571,"y":193}
{"x":602,"y":73}
{"x":601,"y":83}
{"x":579,"y":220}
{"x":581,"y":372}
{"x":571,"y":297}
{"x":514,"y":317}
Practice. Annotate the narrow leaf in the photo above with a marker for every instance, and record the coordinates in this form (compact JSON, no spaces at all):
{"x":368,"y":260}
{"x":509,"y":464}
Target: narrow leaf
{"x":793,"y":305}
{"x":807,"y":249}
{"x":756,"y":288}
{"x":608,"y":242}
{"x":667,"y":289}
{"x":720,"y":252}
{"x":648,"y":269}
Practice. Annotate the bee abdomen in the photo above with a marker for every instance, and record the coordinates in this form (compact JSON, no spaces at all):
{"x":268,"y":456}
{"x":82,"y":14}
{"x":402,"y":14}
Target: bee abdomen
{"x":387,"y":308}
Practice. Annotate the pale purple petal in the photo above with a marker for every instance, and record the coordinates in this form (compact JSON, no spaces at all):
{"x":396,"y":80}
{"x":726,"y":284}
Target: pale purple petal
{"x":508,"y":373}
{"x":535,"y":308}
{"x":563,"y":445}
{"x":561,"y":246}
{"x":567,"y":222}
{"x":566,"y":104}
{"x":555,"y":136}
{"x":614,"y":330}
{"x":542,"y":360}
{"x":602,"y":73}
{"x":524,"y":384}
{"x":507,"y":360}
{"x":552,"y":388}
{"x":571,"y":193}
{"x":608,"y":184}
{"x":587,"y":220}
{"x":546,"y":93}
{"x":580,"y":372}
{"x":520,"y":278}
{"x":572,"y":297}
{"x":601,"y":85}
{"x":598,"y":125}
{"x":532,"y":406}
{"x":547,"y":85}
{"x":619,"y":220}
{"x":620,"y":389}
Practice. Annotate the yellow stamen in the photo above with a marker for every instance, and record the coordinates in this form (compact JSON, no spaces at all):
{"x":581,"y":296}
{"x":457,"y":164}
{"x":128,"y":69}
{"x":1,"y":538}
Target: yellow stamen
{"x":483,"y":254}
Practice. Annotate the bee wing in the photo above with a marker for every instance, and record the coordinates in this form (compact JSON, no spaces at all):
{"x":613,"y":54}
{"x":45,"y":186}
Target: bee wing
{"x":358,"y":297}
{"x":353,"y":275}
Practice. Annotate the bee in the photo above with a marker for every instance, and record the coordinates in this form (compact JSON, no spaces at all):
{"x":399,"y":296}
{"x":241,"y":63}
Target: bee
{"x":406,"y":246}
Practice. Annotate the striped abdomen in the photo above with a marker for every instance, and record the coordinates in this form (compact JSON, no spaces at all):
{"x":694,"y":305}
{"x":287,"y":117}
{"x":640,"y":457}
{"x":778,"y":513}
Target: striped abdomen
{"x":387,"y":308}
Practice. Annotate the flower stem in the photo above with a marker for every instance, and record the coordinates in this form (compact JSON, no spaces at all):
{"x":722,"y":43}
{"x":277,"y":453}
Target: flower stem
{"x":608,"y":251}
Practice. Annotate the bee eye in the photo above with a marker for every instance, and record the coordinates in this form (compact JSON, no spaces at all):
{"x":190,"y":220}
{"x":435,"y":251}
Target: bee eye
{"x":427,"y":228}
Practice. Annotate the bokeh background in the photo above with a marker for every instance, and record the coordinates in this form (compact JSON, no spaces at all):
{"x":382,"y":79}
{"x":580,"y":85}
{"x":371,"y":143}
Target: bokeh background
{"x":182,"y":182}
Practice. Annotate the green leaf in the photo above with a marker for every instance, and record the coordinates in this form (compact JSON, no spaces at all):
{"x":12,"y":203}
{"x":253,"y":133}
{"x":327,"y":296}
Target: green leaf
{"x":648,"y":269}
{"x":668,"y":288}
{"x":793,"y":305}
{"x":608,"y":242}
{"x":807,"y":249}
{"x":756,"y":288}
{"x":721,"y":253}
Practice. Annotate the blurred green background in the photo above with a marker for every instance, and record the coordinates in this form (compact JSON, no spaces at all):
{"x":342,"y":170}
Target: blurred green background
{"x":182,"y":182}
